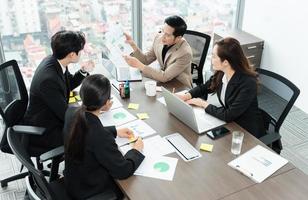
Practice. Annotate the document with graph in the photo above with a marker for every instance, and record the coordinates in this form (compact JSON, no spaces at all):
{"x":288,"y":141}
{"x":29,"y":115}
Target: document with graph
{"x":258,"y":163}
{"x":139,"y":128}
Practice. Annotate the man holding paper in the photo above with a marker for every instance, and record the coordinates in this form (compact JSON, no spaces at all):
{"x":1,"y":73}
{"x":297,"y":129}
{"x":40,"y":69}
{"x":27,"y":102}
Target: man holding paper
{"x":170,"y":49}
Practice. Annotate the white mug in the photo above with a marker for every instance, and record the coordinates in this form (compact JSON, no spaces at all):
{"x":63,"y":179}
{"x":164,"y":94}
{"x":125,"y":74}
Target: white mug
{"x":150,"y":88}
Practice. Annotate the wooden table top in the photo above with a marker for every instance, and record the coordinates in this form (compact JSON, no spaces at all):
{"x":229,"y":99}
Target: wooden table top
{"x":208,"y":177}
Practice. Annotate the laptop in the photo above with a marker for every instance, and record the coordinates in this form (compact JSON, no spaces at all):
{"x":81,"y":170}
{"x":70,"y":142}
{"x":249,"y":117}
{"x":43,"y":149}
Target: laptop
{"x":122,"y":73}
{"x":194,"y":117}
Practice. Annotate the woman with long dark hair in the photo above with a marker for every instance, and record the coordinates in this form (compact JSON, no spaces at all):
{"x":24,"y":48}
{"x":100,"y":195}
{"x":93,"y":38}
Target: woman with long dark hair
{"x":92,"y":158}
{"x":236,"y":85}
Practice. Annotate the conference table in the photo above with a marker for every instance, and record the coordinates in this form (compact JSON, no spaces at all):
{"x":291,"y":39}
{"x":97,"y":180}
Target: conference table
{"x":208,"y":177}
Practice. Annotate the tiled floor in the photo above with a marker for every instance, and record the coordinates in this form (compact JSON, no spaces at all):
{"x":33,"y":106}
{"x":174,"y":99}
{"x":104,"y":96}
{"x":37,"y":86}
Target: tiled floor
{"x":294,"y":133}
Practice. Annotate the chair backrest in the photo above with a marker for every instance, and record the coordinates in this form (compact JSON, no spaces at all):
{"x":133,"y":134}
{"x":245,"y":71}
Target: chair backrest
{"x":37,"y":177}
{"x":199,"y":43}
{"x":13,"y":99}
{"x":276,"y":97}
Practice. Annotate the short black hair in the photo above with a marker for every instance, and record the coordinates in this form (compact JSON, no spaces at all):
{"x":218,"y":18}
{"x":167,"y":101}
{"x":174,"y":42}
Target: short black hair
{"x":178,"y":24}
{"x":65,"y":42}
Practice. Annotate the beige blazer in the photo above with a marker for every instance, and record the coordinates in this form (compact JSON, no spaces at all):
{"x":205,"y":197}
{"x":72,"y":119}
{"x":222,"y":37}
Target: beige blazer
{"x":177,"y":63}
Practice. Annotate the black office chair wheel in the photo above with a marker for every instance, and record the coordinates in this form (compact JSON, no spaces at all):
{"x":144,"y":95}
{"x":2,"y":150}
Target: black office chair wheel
{"x":3,"y":184}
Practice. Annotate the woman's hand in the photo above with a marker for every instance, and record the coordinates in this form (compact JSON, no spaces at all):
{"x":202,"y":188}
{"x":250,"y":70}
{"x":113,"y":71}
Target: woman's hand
{"x":198,"y":102}
{"x":184,"y":97}
{"x":125,"y":133}
{"x":138,"y":145}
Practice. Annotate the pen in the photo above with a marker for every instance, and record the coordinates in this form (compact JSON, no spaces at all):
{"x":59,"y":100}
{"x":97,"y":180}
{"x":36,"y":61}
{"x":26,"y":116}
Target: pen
{"x":128,"y":143}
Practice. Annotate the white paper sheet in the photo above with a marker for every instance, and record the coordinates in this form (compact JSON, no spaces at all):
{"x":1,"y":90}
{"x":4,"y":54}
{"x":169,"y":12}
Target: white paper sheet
{"x":139,"y":127}
{"x":158,"y":167}
{"x":153,"y":146}
{"x":258,"y":163}
{"x":116,"y":103}
{"x":116,"y":117}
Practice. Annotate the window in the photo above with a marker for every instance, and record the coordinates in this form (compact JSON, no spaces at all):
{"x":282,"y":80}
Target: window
{"x":200,"y":15}
{"x":26,"y":35}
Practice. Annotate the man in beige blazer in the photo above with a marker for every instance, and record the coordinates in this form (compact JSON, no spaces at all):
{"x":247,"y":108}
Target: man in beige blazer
{"x":172,"y":51}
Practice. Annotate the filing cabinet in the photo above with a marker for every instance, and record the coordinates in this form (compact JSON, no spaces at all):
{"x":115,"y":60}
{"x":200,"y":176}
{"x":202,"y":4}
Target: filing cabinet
{"x":251,"y":45}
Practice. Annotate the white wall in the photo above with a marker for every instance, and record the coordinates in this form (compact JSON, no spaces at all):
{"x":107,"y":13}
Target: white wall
{"x":283,"y":24}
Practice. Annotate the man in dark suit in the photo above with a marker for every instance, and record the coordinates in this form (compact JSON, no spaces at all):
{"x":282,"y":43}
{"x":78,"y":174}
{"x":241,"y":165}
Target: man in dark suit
{"x":50,"y":88}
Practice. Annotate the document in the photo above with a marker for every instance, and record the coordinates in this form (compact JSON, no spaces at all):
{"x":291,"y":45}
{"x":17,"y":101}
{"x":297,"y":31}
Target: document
{"x":114,"y":49}
{"x":158,"y":167}
{"x":153,"y":146}
{"x":116,"y":103}
{"x":258,"y":163}
{"x":139,"y":128}
{"x":116,"y":117}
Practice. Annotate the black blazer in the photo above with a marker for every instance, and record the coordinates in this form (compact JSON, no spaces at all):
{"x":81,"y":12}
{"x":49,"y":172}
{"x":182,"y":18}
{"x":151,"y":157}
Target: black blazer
{"x":102,"y":162}
{"x":49,"y":100}
{"x":241,"y":103}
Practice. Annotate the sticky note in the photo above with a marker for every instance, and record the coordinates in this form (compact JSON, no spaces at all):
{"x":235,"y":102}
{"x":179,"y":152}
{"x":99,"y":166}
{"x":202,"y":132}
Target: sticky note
{"x":71,"y":94}
{"x":78,"y":97}
{"x":206,"y":147}
{"x":72,"y":100}
{"x":142,"y":116}
{"x":133,"y":106}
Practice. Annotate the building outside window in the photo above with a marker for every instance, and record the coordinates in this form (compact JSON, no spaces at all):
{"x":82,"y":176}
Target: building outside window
{"x":27,"y":25}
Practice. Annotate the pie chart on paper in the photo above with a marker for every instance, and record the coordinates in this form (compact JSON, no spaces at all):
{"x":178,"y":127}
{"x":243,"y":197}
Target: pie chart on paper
{"x":119,"y":115}
{"x":161,"y":166}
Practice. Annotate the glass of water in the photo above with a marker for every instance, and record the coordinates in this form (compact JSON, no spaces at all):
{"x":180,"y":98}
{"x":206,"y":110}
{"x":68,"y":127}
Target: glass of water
{"x":237,"y":141}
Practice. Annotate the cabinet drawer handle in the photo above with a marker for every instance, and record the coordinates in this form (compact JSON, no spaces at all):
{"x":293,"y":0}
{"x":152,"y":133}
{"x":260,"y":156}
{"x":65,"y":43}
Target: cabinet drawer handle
{"x":248,"y":57}
{"x":252,"y":47}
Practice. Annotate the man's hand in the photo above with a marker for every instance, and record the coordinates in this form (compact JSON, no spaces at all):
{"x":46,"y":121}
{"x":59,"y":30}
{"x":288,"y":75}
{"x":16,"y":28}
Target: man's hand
{"x":129,"y":40}
{"x":87,"y":66}
{"x":198,"y":102}
{"x":134,"y":62}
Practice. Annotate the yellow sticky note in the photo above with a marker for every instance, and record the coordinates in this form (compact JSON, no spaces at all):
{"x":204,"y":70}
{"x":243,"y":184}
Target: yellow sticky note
{"x":78,"y":97}
{"x":134,"y":106}
{"x":142,"y":116}
{"x":206,"y":147}
{"x":72,"y":100}
{"x":71,"y":94}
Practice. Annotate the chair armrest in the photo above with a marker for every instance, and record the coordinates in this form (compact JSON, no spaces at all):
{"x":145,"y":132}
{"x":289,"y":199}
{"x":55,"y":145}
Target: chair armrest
{"x":270,"y":137}
{"x":30,"y":130}
{"x":59,"y":151}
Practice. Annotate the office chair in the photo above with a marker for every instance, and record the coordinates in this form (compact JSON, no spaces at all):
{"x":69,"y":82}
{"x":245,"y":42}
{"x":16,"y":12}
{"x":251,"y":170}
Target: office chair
{"x":276,"y":98}
{"x":37,"y":185}
{"x":199,"y":43}
{"x":13,"y":105}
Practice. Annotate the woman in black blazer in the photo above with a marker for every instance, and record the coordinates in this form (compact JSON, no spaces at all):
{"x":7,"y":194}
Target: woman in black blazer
{"x":92,"y":158}
{"x":235,"y":83}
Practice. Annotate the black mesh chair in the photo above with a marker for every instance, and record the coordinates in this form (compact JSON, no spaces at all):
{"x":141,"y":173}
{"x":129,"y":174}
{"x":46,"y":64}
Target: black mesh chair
{"x":276,"y":97}
{"x":37,"y":185}
{"x":199,"y":43}
{"x":13,"y":105}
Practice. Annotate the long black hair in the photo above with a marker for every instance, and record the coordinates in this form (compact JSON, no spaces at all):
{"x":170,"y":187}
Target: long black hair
{"x":94,"y":93}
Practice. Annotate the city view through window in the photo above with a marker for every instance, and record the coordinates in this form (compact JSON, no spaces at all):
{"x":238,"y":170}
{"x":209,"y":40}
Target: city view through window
{"x":26,"y":26}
